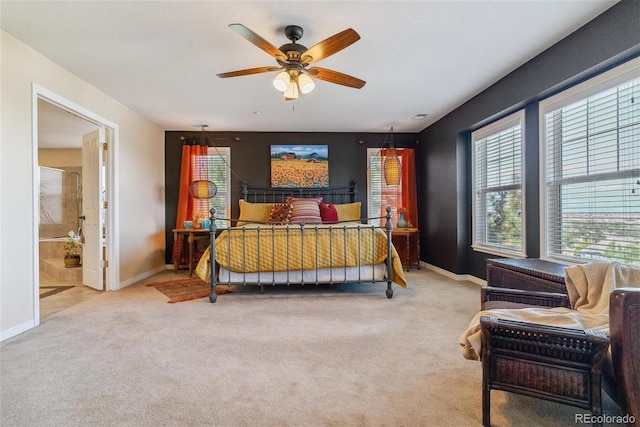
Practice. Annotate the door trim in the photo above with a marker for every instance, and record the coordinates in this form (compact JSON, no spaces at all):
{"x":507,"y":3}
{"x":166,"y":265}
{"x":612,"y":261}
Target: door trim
{"x":112,"y":132}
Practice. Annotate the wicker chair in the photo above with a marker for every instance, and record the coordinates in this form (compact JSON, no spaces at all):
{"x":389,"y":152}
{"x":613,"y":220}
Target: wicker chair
{"x":529,"y":274}
{"x":491,"y":297}
{"x":624,"y":333}
{"x":560,"y":364}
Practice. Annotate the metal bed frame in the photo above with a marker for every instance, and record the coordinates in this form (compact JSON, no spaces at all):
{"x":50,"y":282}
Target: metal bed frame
{"x":279,"y":195}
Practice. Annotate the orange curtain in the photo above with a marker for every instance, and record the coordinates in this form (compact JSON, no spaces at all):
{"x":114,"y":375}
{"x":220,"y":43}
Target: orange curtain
{"x":405,"y":194}
{"x":409,"y":192}
{"x":185,"y":201}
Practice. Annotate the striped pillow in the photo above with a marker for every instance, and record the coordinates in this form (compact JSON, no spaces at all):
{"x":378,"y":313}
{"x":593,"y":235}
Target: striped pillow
{"x":305,"y":210}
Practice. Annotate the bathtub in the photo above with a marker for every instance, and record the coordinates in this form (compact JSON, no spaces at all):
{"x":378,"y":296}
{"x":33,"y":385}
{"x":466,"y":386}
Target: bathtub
{"x":52,"y":247}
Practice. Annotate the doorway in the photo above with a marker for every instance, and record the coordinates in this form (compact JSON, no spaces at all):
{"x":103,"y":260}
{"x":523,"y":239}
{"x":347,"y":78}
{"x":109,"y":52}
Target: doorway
{"x":63,"y":134}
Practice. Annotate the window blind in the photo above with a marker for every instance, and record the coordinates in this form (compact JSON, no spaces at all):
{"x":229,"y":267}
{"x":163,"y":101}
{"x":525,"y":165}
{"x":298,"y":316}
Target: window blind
{"x":498,"y":197}
{"x":214,"y":167}
{"x":592,"y":179}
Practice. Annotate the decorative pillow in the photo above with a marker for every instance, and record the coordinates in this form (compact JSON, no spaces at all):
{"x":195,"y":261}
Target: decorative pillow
{"x":280,"y":213}
{"x":328,"y":213}
{"x":305,"y":210}
{"x":254,"y":212}
{"x":348,"y":211}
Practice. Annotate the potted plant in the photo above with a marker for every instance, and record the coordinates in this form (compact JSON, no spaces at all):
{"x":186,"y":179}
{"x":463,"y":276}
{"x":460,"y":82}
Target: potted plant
{"x":72,"y":249}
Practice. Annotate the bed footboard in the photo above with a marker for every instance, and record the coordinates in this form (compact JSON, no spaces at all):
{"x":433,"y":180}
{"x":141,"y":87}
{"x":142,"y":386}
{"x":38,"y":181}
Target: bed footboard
{"x":263,"y":254}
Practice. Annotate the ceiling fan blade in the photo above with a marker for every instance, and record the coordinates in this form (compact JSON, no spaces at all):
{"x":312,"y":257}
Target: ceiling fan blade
{"x":330,"y":46}
{"x":248,"y":71}
{"x":336,"y":77}
{"x":258,"y":41}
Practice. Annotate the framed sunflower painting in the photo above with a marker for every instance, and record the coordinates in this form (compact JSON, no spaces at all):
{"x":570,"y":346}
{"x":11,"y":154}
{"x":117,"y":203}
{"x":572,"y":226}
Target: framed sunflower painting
{"x":300,"y":166}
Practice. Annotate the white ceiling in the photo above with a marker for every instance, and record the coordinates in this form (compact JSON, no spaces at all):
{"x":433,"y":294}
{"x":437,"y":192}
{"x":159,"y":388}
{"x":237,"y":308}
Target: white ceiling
{"x":58,"y":128}
{"x":160,"y":58}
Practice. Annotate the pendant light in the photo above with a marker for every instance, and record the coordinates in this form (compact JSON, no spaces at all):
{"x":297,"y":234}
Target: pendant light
{"x":203,"y":189}
{"x":392,"y":167}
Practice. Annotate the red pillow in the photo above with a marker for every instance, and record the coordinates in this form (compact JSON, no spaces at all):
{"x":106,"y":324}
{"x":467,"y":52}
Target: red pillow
{"x":328,"y":213}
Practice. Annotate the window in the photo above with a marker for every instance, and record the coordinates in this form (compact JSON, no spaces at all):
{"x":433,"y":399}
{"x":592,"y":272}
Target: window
{"x":498,"y":200}
{"x":591,"y":177}
{"x":215,"y":167}
{"x":380,"y":195}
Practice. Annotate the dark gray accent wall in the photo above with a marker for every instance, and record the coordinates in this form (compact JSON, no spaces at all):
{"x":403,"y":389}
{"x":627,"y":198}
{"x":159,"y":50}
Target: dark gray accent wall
{"x":443,"y":157}
{"x":250,"y":161}
{"x":444,"y":151}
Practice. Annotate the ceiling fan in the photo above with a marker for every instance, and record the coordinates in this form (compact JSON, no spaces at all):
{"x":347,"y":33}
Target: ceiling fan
{"x":294,"y":60}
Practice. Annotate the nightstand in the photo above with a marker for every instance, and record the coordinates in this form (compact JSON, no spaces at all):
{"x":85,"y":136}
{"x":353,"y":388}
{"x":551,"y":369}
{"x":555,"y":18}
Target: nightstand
{"x":189,"y":237}
{"x":407,"y":244}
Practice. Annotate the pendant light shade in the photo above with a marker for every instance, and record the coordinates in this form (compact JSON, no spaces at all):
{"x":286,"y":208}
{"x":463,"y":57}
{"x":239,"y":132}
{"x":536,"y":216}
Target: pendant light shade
{"x":392,"y":168}
{"x":203,"y":189}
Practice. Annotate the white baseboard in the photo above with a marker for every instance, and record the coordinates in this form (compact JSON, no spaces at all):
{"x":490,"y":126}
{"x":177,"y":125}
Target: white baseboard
{"x":446,"y":273}
{"x":143,"y":276}
{"x":457,"y":277}
{"x":18,"y":329}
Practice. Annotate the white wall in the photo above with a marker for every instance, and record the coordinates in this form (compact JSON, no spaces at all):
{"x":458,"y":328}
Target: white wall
{"x":60,"y":157}
{"x":140,"y":166}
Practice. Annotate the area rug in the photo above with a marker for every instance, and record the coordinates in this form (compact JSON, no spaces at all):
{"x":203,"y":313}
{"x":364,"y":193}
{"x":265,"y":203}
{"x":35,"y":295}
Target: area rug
{"x":186,"y":289}
{"x":47,"y":291}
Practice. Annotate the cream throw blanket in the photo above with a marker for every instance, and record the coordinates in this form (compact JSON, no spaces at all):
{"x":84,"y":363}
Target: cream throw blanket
{"x":588,"y":287}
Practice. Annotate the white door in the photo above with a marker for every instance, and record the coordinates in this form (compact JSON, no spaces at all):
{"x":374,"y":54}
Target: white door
{"x":92,"y":208}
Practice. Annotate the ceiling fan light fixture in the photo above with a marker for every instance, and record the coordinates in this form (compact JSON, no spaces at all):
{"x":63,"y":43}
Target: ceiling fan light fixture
{"x":305,"y":83}
{"x":281,"y":82}
{"x":294,"y":58}
{"x":292,"y":91}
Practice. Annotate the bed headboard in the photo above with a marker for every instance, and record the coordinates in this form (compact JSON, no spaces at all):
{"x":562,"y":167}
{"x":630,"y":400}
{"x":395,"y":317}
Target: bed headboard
{"x":279,"y":195}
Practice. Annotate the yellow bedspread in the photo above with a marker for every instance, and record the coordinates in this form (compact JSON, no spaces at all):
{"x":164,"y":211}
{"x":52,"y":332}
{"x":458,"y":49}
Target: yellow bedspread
{"x":281,"y":248}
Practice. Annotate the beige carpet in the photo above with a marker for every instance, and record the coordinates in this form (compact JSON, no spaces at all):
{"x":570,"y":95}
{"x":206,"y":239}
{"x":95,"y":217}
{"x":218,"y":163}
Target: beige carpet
{"x":310,"y":356}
